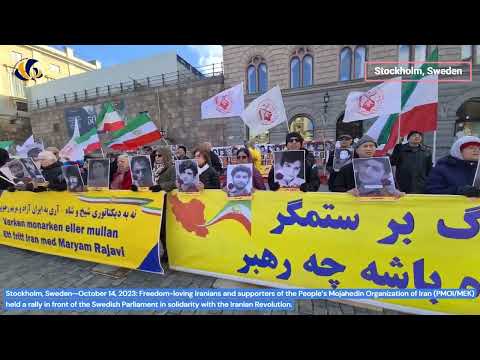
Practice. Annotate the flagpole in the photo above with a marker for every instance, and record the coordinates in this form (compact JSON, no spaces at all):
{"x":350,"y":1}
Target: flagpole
{"x":434,"y":152}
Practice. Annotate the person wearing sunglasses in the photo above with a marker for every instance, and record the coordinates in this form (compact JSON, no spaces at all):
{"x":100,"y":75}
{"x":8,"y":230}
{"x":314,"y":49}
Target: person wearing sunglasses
{"x":244,"y":157}
{"x":163,"y":170}
{"x":294,"y":141}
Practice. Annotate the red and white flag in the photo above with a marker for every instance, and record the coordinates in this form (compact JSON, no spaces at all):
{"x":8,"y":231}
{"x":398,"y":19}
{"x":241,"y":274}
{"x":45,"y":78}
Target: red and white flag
{"x":384,"y":99}
{"x":228,"y":103}
{"x":265,"y":112}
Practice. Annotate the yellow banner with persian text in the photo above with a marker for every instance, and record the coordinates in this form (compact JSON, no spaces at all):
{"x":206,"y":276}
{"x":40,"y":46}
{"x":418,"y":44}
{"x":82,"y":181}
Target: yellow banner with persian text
{"x":332,"y":241}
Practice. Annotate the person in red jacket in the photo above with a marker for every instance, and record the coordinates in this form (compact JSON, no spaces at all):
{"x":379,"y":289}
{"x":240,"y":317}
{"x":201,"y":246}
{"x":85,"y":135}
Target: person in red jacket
{"x":122,"y":178}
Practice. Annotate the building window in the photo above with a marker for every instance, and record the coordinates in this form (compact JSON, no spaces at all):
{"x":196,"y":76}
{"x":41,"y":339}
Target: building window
{"x":54,"y":68}
{"x":471,"y":53}
{"x":257,"y":75}
{"x":304,"y":126}
{"x":468,"y":118}
{"x":301,"y":68}
{"x":412,"y":53}
{"x":16,"y":57}
{"x":22,"y":106}
{"x":56,"y":127}
{"x":295,"y":72}
{"x":420,"y":54}
{"x":262,"y":78}
{"x":307,"y":70}
{"x":345,"y":64}
{"x":360,"y":58}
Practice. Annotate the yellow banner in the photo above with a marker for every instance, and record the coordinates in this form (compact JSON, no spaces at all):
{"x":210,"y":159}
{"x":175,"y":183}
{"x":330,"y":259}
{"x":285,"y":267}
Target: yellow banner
{"x":332,"y":241}
{"x":119,"y":228}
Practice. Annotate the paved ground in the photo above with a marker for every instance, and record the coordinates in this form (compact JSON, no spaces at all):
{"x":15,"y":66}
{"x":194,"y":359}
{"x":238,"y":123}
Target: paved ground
{"x":27,"y":269}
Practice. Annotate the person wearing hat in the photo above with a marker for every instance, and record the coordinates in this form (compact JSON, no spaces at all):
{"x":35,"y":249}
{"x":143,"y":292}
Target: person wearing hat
{"x":345,"y":143}
{"x":54,"y":150}
{"x":454,"y":174}
{"x":294,"y":141}
{"x":413,"y":162}
{"x":345,"y":180}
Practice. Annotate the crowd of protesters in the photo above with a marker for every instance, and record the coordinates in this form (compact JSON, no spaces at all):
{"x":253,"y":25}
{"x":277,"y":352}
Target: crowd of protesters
{"x":414,"y":173}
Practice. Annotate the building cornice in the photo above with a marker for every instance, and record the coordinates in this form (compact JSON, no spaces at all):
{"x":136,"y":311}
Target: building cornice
{"x":60,"y":55}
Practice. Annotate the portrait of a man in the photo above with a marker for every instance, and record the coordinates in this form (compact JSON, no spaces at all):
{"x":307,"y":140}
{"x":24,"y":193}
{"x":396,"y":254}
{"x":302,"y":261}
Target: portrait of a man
{"x":289,"y":168}
{"x":73,"y":178}
{"x":374,"y":176}
{"x":239,"y":180}
{"x":187,"y":175}
{"x":98,"y":173}
{"x":341,"y":157}
{"x":141,"y":169}
{"x":32,"y":170}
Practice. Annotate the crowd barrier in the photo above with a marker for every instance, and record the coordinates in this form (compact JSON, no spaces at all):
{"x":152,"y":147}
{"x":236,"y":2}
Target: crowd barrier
{"x":277,"y":239}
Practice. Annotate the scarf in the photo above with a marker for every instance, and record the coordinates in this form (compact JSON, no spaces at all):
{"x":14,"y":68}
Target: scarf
{"x":157,"y":170}
{"x":201,"y":170}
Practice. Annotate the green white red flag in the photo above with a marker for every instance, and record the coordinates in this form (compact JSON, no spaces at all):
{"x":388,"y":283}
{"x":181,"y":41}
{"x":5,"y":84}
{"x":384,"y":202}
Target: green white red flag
{"x":138,"y":132}
{"x":109,"y":119}
{"x":418,"y":112}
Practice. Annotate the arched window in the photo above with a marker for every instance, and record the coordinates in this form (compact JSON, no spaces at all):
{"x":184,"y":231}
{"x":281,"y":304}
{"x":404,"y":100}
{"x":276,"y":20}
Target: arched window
{"x":252,"y":80}
{"x":303,"y":125}
{"x":468,"y":118}
{"x":262,"y":78}
{"x":301,"y":68}
{"x":345,"y":64}
{"x":295,"y":72}
{"x":257,"y":75}
{"x":360,"y":58}
{"x":307,"y":70}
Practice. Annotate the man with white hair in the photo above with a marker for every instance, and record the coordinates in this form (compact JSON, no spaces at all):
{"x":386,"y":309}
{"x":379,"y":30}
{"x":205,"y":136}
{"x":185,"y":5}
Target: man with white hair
{"x":52,"y":171}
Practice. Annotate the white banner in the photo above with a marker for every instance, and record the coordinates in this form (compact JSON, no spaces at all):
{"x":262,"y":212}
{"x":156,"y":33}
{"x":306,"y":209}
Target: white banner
{"x":72,"y":151}
{"x":265,"y":112}
{"x":29,"y":149}
{"x":228,"y":103}
{"x":384,"y":99}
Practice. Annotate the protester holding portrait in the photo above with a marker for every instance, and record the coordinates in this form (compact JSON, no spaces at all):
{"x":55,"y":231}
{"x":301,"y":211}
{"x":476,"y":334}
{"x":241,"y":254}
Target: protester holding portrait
{"x":163,"y":170}
{"x":294,"y":141}
{"x":51,"y":170}
{"x":345,"y":180}
{"x":244,"y":156}
{"x":345,"y":143}
{"x":209,"y":178}
{"x":122,"y":178}
{"x":454,"y":174}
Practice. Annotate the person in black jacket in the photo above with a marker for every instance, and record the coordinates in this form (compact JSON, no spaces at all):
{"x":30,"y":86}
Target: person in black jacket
{"x":345,"y":143}
{"x":52,"y":171}
{"x":4,"y":158}
{"x":413,"y":163}
{"x":214,"y":159}
{"x":209,"y":178}
{"x":294,"y":141}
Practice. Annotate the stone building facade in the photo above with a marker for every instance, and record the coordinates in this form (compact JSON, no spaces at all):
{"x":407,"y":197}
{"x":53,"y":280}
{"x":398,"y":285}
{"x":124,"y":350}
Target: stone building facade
{"x":305,"y":98}
{"x":175,"y":109}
